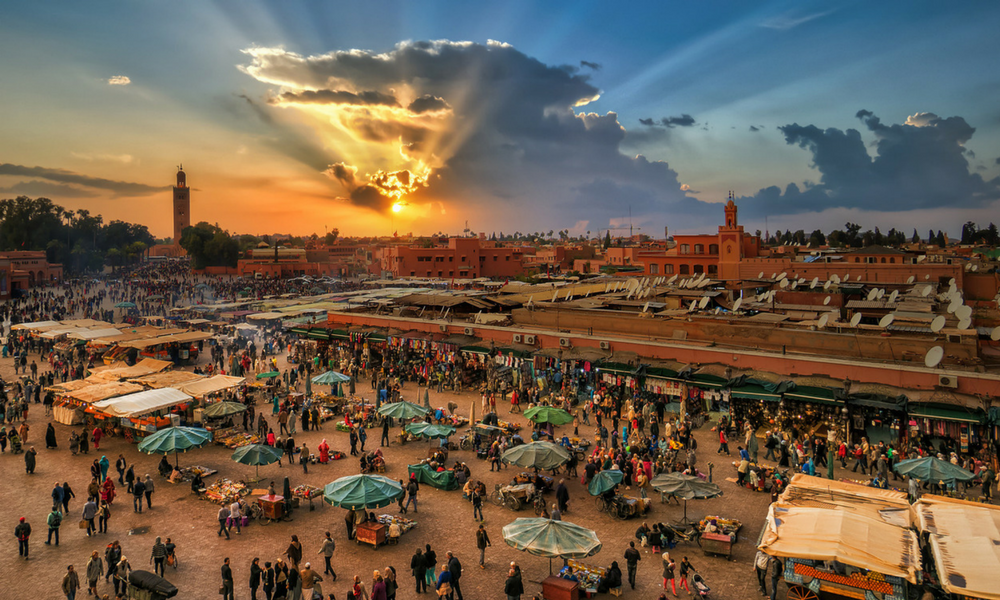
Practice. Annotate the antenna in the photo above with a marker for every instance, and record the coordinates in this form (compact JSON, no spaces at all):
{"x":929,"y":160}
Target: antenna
{"x":886,"y":321}
{"x":938,"y":323}
{"x":933,"y":357}
{"x":856,"y":319}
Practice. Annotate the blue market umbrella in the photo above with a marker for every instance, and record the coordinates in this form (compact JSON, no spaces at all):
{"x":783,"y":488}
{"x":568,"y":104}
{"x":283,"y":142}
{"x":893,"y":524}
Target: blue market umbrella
{"x":257,"y":455}
{"x":932,"y":469}
{"x":604,"y":481}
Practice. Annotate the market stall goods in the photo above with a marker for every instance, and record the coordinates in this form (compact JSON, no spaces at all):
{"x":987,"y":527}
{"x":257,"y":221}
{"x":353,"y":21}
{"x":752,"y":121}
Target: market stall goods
{"x":226,"y":491}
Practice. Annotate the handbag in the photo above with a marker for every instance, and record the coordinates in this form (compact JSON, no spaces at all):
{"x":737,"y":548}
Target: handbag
{"x":222,"y":589}
{"x":444,"y":590}
{"x":83,"y":524}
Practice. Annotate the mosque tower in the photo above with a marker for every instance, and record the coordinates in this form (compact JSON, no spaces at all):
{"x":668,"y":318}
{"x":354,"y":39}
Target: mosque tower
{"x":182,"y":205}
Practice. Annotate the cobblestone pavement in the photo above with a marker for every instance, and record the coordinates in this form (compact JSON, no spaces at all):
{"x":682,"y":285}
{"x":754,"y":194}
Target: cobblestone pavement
{"x":444,"y":520}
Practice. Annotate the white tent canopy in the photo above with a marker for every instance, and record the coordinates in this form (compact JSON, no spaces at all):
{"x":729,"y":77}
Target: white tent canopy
{"x":206,"y":386}
{"x":92,"y":334}
{"x":142,"y":403}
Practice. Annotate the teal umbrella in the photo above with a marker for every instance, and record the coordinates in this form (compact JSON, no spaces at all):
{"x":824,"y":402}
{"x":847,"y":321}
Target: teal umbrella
{"x":362,"y":491}
{"x":402,"y":410}
{"x":548,"y":414}
{"x":537,"y":455}
{"x":932,"y":469}
{"x":155,"y":297}
{"x":551,"y":539}
{"x":175,"y":439}
{"x":257,"y":455}
{"x":604,"y":481}
{"x":223,"y":409}
{"x":268,"y":374}
{"x":125,"y":305}
{"x":201,"y":286}
{"x":330,"y":378}
{"x":430,"y":431}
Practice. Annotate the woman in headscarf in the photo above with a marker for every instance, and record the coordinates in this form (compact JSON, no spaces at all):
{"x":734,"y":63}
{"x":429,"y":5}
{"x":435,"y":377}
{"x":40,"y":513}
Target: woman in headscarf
{"x":108,"y":491}
{"x":324,"y":452}
{"x":50,"y":437}
{"x":105,"y":466}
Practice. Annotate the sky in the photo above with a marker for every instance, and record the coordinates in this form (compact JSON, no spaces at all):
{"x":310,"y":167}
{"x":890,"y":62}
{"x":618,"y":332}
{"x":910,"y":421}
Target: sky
{"x":410,"y":116}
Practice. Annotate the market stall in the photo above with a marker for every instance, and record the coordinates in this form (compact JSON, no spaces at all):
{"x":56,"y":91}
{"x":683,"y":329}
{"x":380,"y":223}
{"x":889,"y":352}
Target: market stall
{"x":442,"y":480}
{"x":226,"y":491}
{"x":362,"y":492}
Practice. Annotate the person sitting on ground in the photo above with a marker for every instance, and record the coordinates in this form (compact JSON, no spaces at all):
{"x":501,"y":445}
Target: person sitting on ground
{"x":197,"y":485}
{"x":612,"y":579}
{"x":164,"y":467}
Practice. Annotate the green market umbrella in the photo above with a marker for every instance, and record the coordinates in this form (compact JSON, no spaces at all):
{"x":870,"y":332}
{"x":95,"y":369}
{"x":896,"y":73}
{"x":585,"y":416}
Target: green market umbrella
{"x":362,"y":491}
{"x":604,"y":481}
{"x":155,"y":297}
{"x":125,"y":305}
{"x":685,"y":487}
{"x":201,"y":286}
{"x":268,"y":374}
{"x":402,"y":410}
{"x":175,"y":439}
{"x":548,"y":414}
{"x":430,"y":431}
{"x":551,"y":539}
{"x":932,"y":469}
{"x":537,"y":455}
{"x":257,"y":455}
{"x":223,"y":409}
{"x":330,"y":378}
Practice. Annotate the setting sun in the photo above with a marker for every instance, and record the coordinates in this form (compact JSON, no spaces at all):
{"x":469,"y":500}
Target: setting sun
{"x":398,"y":206}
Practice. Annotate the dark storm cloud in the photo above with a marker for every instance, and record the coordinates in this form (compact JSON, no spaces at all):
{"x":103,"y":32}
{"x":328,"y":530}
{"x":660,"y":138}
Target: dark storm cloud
{"x":919,"y":164}
{"x":47,"y":189}
{"x":998,"y":161}
{"x":366,"y":98}
{"x":684,"y":120}
{"x":427,"y":103}
{"x":515,"y":137}
{"x":754,"y":129}
{"x":590,"y":65}
{"x":117,"y":188}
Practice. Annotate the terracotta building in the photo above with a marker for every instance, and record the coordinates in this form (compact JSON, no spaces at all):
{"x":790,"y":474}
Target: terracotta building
{"x":462,"y":258}
{"x":23,"y":270}
{"x":181,"y":212}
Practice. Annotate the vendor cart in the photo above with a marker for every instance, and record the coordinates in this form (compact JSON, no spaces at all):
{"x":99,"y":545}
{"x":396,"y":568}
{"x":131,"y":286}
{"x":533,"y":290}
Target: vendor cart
{"x":625,"y":507}
{"x":516,"y":496}
{"x":371,"y":532}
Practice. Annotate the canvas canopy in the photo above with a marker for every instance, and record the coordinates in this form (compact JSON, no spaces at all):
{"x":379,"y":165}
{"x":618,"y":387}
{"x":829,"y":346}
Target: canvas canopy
{"x":964,"y":540}
{"x":177,"y":338}
{"x":118,"y":371}
{"x":839,"y":534}
{"x":103,"y":391}
{"x":167,"y":379}
{"x":209,"y":385}
{"x":35,"y":325}
{"x":142,"y":403}
{"x":93,"y":334}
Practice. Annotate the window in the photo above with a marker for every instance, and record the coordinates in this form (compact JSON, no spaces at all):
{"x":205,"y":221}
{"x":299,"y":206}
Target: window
{"x":668,"y":269}
{"x":685,"y":249}
{"x":451,"y":259}
{"x":699,"y":268}
{"x":685,"y":270}
{"x":699,"y":248}
{"x":507,"y":258}
{"x":892,"y":260}
{"x":713,"y":248}
{"x":440,"y":273}
{"x":495,"y":258}
{"x":883,"y":260}
{"x":654,"y":269}
{"x":712,"y":269}
{"x":463,"y":258}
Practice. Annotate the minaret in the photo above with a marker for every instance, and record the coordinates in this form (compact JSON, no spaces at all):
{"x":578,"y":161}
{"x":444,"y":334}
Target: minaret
{"x":731,"y":242}
{"x":182,"y":205}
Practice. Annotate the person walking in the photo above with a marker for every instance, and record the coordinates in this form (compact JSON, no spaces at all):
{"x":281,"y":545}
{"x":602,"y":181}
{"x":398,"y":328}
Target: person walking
{"x":775,"y":569}
{"x":29,"y":460}
{"x":294,"y":553}
{"x":88,"y":515}
{"x":418,"y":568}
{"x":67,"y":495}
{"x":482,"y":541}
{"x":94,"y":571}
{"x":430,"y":558}
{"x":632,"y":558}
{"x":686,"y":570}
{"x":70,"y":583}
{"x":121,"y":575}
{"x":294,"y":584}
{"x":443,"y":585}
{"x":411,"y":493}
{"x":223,"y":518}
{"x":112,"y":556}
{"x":235,"y":517}
{"x":121,"y":465}
{"x":668,"y":572}
{"x":227,"y":580}
{"x":455,"y":568}
{"x":513,"y":587}
{"x":562,"y":496}
{"x":22,"y":532}
{"x":477,"y":505}
{"x":304,"y":458}
{"x":760,"y":563}
{"x":255,"y":577}
{"x":385,"y":432}
{"x":327,"y":551}
{"x":310,"y":580}
{"x":268,"y":580}
{"x":147,"y":485}
{"x":158,"y":556}
{"x":103,"y":516}
{"x":138,"y":489}
{"x":54,"y":520}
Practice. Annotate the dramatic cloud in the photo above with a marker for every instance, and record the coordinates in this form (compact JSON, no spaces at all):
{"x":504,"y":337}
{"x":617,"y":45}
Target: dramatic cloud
{"x":590,"y":65}
{"x":754,"y":128}
{"x":46,"y":189}
{"x":484,"y":127}
{"x":684,"y":120}
{"x":367,"y":98}
{"x":118,"y":188}
{"x":125,"y":159}
{"x":919,"y":164}
{"x":119,"y":80}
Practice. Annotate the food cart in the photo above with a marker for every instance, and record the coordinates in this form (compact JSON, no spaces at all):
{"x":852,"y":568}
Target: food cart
{"x":517,"y":496}
{"x":717,"y":535}
{"x":866,"y":549}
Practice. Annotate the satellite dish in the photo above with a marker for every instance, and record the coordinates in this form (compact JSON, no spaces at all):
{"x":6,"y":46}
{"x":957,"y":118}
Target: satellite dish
{"x":835,"y":278}
{"x":872,"y":294}
{"x":784,"y":274}
{"x":964,"y":312}
{"x":826,"y":285}
{"x":910,"y":279}
{"x":885,"y":321}
{"x":953,"y":306}
{"x":893,"y":295}
{"x":951,"y":282}
{"x":964,"y":323}
{"x":645,"y":307}
{"x":824,"y":320}
{"x":672,"y":279}
{"x":555,"y":295}
{"x":783,"y":283}
{"x":927,"y":276}
{"x":859,"y":278}
{"x":826,"y":301}
{"x":737,"y":304}
{"x":774,"y":275}
{"x":881,"y":293}
{"x":938,"y":323}
{"x":814,"y":283}
{"x":856,"y":319}
{"x":760,"y":275}
{"x":926,"y":291}
{"x":975,"y":268}
{"x":934,"y":356}
{"x":704,"y":302}
{"x":995,"y":334}
{"x":795,"y":284}
{"x":717,"y":310}
{"x":968,"y":266}
{"x":921,"y":258}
